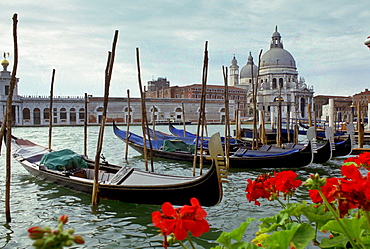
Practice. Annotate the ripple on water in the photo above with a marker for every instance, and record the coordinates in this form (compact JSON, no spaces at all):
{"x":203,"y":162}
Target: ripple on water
{"x":115,"y":224}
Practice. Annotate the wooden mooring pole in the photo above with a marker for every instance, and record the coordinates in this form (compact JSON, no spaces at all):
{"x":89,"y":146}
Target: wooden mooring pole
{"x":9,"y":120}
{"x":51,"y":109}
{"x":108,"y":76}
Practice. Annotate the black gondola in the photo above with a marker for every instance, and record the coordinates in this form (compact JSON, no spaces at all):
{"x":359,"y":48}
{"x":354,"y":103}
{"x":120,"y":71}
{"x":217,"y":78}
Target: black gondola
{"x":268,"y":157}
{"x":343,"y":147}
{"x":124,"y":184}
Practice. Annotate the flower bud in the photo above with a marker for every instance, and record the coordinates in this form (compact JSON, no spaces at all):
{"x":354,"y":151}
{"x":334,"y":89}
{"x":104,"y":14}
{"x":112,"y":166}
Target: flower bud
{"x":68,"y":242}
{"x":36,"y":232}
{"x":171,"y":240}
{"x":79,"y":240}
{"x":70,"y":231}
{"x":63,"y":219}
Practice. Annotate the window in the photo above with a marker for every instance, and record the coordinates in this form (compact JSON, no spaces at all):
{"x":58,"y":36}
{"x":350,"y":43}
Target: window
{"x":46,"y":113}
{"x":274,"y":83}
{"x":281,"y":82}
{"x":81,"y":114}
{"x":63,"y":113}
{"x":26,"y":113}
{"x":6,"y":90}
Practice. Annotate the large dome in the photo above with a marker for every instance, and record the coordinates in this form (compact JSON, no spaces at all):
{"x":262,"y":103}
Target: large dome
{"x":277,"y":57}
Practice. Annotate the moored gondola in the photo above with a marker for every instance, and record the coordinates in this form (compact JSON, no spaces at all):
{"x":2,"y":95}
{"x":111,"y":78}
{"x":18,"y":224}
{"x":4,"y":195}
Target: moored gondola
{"x":124,"y":184}
{"x":267,"y":157}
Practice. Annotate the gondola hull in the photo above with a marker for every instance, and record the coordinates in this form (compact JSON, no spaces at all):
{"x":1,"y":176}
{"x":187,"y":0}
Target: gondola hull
{"x":343,"y":148}
{"x":257,"y":159}
{"x":139,"y":186}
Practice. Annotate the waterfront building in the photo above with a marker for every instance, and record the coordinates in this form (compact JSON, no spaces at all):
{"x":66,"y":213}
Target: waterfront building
{"x":343,"y":108}
{"x":30,"y":110}
{"x":276,"y":80}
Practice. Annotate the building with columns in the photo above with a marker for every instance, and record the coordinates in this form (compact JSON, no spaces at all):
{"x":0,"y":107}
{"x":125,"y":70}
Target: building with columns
{"x":276,"y":80}
{"x":30,"y":110}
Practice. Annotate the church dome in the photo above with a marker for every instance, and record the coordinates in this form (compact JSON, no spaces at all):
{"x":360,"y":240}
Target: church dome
{"x":246,"y":71}
{"x":277,"y":56}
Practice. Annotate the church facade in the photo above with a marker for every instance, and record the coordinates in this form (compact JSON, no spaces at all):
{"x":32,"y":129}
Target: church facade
{"x":277,"y":83}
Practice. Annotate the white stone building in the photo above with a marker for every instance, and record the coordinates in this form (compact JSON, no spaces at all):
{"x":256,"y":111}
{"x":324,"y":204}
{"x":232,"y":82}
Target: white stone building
{"x":277,"y":79}
{"x":34,"y":110}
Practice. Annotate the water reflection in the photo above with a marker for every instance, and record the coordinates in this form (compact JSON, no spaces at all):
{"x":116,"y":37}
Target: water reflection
{"x":114,"y":224}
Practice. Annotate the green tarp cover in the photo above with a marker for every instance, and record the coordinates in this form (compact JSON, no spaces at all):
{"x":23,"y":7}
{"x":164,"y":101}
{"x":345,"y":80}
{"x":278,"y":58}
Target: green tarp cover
{"x":62,"y":160}
{"x":177,"y":145}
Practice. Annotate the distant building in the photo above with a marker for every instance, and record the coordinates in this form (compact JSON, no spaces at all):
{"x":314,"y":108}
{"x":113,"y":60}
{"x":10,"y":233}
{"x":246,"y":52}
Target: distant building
{"x":32,"y":110}
{"x":277,"y":80}
{"x":342,"y":108}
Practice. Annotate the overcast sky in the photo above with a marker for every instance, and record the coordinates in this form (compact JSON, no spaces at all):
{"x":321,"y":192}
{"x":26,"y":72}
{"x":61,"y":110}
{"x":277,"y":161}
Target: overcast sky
{"x":74,"y":37}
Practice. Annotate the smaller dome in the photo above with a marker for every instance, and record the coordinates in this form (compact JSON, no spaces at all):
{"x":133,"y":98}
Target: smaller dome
{"x":5,"y":62}
{"x":246,"y":71}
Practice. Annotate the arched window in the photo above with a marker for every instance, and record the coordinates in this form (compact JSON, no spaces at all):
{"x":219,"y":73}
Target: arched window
{"x":274,"y":83}
{"x":81,"y":113}
{"x":46,"y":113}
{"x":36,"y":116}
{"x":281,"y":82}
{"x":303,"y":106}
{"x":63,"y":113}
{"x":72,"y":115}
{"x":26,"y":113}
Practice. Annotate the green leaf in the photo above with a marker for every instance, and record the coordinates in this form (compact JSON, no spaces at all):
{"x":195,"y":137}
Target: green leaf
{"x":303,"y":236}
{"x":244,"y":245}
{"x":279,"y":240}
{"x":294,"y":209}
{"x":299,"y":235}
{"x":270,"y":224}
{"x":317,"y":214}
{"x":224,"y":239}
{"x":352,"y":226}
{"x":236,"y":234}
{"x":337,"y":241}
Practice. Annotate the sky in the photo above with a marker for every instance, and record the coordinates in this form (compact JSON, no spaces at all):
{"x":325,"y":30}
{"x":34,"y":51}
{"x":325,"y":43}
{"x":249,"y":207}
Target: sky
{"x":74,"y":37}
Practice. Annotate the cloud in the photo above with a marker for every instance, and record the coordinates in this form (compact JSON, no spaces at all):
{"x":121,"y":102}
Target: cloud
{"x":74,"y":37}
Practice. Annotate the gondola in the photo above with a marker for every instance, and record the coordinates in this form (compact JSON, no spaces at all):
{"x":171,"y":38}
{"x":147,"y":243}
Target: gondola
{"x":125,"y":183}
{"x":322,"y":153}
{"x":267,"y":157}
{"x":343,"y":147}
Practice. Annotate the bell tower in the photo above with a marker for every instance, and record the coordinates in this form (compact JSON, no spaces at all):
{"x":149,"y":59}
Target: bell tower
{"x":234,"y":72}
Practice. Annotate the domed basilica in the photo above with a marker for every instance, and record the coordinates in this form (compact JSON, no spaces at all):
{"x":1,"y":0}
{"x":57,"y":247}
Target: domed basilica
{"x":276,"y":79}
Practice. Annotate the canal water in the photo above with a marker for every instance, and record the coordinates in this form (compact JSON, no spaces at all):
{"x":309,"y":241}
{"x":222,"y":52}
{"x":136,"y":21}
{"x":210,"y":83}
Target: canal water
{"x":114,"y":224}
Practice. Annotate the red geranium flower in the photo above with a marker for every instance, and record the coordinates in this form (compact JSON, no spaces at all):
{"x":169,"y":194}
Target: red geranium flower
{"x":286,"y":181}
{"x":360,"y":160}
{"x":349,"y":192}
{"x":266,"y":186}
{"x":181,"y":220}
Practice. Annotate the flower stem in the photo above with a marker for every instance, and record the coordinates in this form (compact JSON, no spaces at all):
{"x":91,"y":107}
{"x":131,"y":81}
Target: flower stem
{"x":337,"y":218}
{"x":182,"y":244}
{"x":190,"y":242}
